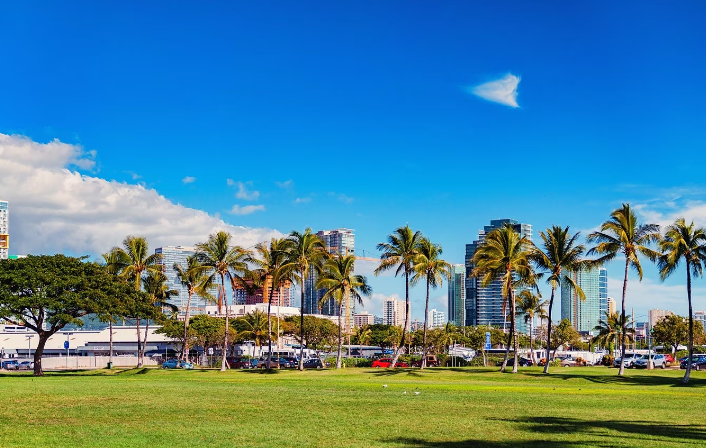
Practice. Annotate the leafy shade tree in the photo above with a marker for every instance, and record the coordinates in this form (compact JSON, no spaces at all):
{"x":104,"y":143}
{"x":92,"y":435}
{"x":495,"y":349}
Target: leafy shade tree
{"x":272,"y":271}
{"x":208,"y":331}
{"x":622,"y":233}
{"x":687,"y":243}
{"x":505,"y":256}
{"x":610,"y":330}
{"x":399,"y":252}
{"x":220,"y":261}
{"x":342,"y":284}
{"x":530,"y":306}
{"x":429,"y":267}
{"x":306,"y":255}
{"x":559,"y":255}
{"x":362,"y":336}
{"x":254,"y":327}
{"x":193,"y":279}
{"x":674,"y":331}
{"x":155,"y":285}
{"x":46,"y":293}
{"x":317,"y":333}
{"x":112,"y":312}
{"x":564,"y":334}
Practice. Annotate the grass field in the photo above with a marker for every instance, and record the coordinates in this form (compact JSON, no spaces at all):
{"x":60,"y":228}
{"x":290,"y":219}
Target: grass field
{"x":577,"y":407}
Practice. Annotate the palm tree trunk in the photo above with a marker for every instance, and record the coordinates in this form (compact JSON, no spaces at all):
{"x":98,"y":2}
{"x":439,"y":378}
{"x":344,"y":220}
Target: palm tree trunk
{"x":514,"y":331}
{"x":186,"y":328}
{"x":549,"y":330}
{"x":340,"y":335}
{"x":139,"y":344}
{"x":269,"y":324}
{"x":144,"y":343}
{"x":687,"y":374}
{"x":426,"y":318}
{"x":301,"y":322}
{"x":512,"y":327}
{"x":224,"y":298}
{"x":406,"y":317}
{"x":531,"y":345}
{"x":621,"y":372}
{"x":110,"y":355}
{"x":279,"y":305}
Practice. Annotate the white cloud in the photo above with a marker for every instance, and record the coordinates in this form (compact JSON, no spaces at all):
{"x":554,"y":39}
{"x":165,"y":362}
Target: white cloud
{"x":304,"y":200}
{"x":132,"y":174}
{"x":54,"y":209}
{"x":246,"y":210}
{"x":341,"y":197}
{"x":286,"y":185}
{"x":243,"y":192}
{"x":502,"y":91}
{"x":188,"y":180}
{"x":648,"y":294}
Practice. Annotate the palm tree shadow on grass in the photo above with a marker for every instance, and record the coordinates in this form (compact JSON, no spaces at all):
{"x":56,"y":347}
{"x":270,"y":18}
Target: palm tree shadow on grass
{"x":409,"y":372}
{"x":479,"y":443}
{"x":639,"y":380}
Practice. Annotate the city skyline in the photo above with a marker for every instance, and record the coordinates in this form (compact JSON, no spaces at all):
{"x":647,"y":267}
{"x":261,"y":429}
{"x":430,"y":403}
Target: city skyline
{"x":160,"y":139}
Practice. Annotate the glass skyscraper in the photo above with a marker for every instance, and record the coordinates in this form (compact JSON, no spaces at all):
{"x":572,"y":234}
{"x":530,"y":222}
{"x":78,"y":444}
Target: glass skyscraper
{"x":178,"y":254}
{"x":338,"y":241}
{"x":484,"y":305}
{"x":457,"y":295}
{"x":584,"y":315}
{"x":4,"y":230}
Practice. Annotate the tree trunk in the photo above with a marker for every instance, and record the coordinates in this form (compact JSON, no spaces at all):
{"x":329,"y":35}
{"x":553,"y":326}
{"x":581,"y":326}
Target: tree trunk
{"x":531,"y":322}
{"x":514,"y":332}
{"x":144,"y":343}
{"x":400,"y":347}
{"x":269,"y":324}
{"x":621,"y":372}
{"x":340,"y":335}
{"x":512,"y":327}
{"x":139,"y":344}
{"x":110,"y":354}
{"x":687,"y":374}
{"x":549,"y":329}
{"x":426,"y":318}
{"x":186,"y":327}
{"x":507,"y":351}
{"x":301,"y":321}
{"x":43,"y":338}
{"x":224,"y":362}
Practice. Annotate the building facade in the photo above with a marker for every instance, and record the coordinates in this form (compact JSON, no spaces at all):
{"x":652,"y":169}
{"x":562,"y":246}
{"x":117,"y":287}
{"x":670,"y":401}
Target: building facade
{"x":394,"y":312}
{"x":484,"y":305}
{"x":655,"y":315}
{"x":436,"y":319}
{"x":457,"y":295}
{"x":585,"y":315}
{"x":4,"y":230}
{"x":178,"y":255}
{"x":611,"y":306}
{"x":337,"y":241}
{"x":363,"y":319}
{"x":700,"y":316}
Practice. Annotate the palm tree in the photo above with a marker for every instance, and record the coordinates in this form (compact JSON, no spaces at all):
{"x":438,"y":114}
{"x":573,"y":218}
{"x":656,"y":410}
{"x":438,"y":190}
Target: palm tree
{"x":531,"y":305}
{"x":111,"y":261}
{"x":192,"y":278}
{"x":611,"y":328}
{"x":341,"y":283}
{"x":130,"y":262}
{"x":560,"y":255}
{"x":155,"y":284}
{"x":306,"y":255}
{"x":255,"y":328}
{"x":271,"y":270}
{"x":428,"y":266}
{"x":399,"y":251}
{"x":505,"y":256}
{"x":363,"y":335}
{"x":219,"y":261}
{"x":682,"y":241}
{"x":622,"y":233}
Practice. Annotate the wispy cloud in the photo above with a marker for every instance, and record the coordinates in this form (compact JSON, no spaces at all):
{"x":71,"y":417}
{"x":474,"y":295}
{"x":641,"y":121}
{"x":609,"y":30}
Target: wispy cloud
{"x":132,"y":174}
{"x":341,"y":197}
{"x":501,"y":91}
{"x":243,"y":191}
{"x":286,"y":185}
{"x":304,"y":200}
{"x":246,"y":210}
{"x":189,"y":180}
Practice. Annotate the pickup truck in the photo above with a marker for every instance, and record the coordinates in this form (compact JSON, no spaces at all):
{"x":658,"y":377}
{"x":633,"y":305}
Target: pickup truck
{"x":431,"y":362}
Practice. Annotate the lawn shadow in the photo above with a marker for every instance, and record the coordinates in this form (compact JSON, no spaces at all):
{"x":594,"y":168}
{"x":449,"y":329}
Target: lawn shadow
{"x":409,"y":372}
{"x":639,"y":380}
{"x":479,"y":443}
{"x":260,"y":371}
{"x":652,"y":430}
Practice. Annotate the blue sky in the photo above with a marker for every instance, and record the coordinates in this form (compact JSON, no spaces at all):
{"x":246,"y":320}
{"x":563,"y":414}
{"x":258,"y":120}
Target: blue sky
{"x":362,"y":115}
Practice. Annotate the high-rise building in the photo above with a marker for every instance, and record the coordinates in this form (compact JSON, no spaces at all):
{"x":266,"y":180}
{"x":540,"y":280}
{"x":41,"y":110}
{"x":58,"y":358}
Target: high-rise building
{"x":363,"y":319}
{"x":4,"y":230}
{"x":394,"y":312}
{"x":337,"y":241}
{"x":700,"y":316}
{"x":436,"y":319}
{"x":457,"y":295}
{"x":611,"y":306}
{"x":655,"y":315}
{"x":584,"y":315}
{"x":484,"y":305}
{"x":178,"y":255}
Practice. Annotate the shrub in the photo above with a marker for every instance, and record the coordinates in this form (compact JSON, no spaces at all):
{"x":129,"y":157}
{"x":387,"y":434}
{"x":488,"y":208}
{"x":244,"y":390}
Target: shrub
{"x":608,"y":360}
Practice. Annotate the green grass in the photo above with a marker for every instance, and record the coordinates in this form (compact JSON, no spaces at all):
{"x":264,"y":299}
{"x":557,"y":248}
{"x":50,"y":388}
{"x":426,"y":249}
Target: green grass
{"x":582,"y":407}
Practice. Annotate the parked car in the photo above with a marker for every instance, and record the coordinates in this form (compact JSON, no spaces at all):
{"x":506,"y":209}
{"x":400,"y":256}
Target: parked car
{"x":11,"y":364}
{"x":387,"y":362}
{"x":274,"y":364}
{"x":240,"y":363}
{"x":630,"y":359}
{"x":176,"y":364}
{"x":573,"y":362}
{"x":657,"y":361}
{"x":668,"y":359}
{"x":431,"y":362}
{"x":314,"y":363}
{"x":698,"y":362}
{"x":521,"y":361}
{"x":289,"y":363}
{"x":26,"y":365}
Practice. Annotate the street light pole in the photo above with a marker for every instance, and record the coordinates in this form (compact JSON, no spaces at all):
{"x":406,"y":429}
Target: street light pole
{"x":29,"y":346}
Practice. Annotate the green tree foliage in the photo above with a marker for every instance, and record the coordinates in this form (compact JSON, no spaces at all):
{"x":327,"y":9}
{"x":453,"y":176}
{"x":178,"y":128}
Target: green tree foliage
{"x":530,"y":306}
{"x":46,"y":293}
{"x":610,"y":330}
{"x":193,"y":278}
{"x":254,"y":327}
{"x":318,"y":332}
{"x":673,"y":331}
{"x":566,"y":335}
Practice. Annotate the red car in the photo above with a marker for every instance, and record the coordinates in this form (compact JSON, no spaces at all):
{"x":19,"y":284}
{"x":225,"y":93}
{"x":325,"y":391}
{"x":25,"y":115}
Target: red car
{"x":387,"y":362}
{"x":668,"y":358}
